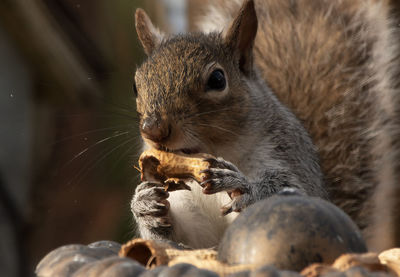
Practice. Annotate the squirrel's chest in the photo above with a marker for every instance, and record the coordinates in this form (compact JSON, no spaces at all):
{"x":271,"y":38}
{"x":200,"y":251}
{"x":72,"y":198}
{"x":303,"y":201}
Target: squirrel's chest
{"x":196,"y":217}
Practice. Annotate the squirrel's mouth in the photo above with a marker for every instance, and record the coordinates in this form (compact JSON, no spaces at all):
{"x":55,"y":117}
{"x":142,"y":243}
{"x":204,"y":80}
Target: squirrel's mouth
{"x":187,"y":151}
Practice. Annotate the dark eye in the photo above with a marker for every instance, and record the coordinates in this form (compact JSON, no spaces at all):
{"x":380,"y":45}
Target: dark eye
{"x":216,"y":81}
{"x":134,"y":88}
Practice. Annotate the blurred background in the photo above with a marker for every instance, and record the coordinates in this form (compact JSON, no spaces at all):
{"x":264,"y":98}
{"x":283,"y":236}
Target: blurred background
{"x":68,"y":126}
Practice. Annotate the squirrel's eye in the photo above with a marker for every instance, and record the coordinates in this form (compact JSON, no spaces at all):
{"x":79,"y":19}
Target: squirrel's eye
{"x":216,"y":81}
{"x":134,"y":88}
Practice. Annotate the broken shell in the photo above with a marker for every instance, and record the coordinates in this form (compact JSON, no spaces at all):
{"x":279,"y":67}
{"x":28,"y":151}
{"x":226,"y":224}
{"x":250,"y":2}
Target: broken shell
{"x":171,"y":168}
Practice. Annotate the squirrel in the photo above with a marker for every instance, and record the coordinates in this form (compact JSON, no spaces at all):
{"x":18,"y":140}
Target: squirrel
{"x":287,"y":95}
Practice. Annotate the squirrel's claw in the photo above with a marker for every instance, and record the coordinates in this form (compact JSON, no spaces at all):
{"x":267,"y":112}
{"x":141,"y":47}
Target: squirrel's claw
{"x":225,"y":176}
{"x":221,"y":163}
{"x":224,"y":180}
{"x":151,"y":207}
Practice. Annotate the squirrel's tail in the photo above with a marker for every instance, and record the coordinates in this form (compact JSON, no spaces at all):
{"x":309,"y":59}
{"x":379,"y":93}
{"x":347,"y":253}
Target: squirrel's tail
{"x":336,"y":64}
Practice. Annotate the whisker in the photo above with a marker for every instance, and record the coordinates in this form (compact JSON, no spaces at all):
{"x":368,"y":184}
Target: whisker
{"x":123,"y":155}
{"x":83,"y":171}
{"x":122,"y":106}
{"x":92,"y":132}
{"x":104,"y":113}
{"x":198,"y":103}
{"x":191,"y":137}
{"x":94,"y":145}
{"x":120,"y":113}
{"x":189,"y":116}
{"x":213,"y":111}
{"x":218,"y":127}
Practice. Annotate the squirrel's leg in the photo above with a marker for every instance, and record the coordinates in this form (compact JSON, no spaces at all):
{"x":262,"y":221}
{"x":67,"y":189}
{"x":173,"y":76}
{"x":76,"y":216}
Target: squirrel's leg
{"x":150,"y":209}
{"x":224,"y":176}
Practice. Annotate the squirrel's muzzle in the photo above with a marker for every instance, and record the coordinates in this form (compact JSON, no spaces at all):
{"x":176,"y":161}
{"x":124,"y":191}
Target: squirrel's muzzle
{"x":156,"y":130}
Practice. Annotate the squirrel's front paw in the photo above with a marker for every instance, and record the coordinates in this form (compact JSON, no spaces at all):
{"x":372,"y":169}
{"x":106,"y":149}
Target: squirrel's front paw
{"x":225,"y":176}
{"x":150,"y":208}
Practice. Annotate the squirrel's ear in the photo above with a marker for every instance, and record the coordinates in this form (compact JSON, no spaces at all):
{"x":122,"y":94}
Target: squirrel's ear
{"x":241,"y":34}
{"x":149,"y":36}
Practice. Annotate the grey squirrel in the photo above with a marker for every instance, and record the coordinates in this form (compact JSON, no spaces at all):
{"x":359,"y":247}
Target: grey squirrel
{"x":260,"y":85}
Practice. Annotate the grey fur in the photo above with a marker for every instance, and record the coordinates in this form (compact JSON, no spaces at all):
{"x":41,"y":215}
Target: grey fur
{"x":150,"y":213}
{"x":262,"y":147}
{"x":334,"y":64}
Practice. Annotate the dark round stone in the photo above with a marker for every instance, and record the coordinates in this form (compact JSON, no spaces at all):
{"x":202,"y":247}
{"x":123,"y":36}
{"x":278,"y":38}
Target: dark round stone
{"x":112,"y":266}
{"x":290,"y":232}
{"x":112,"y":245}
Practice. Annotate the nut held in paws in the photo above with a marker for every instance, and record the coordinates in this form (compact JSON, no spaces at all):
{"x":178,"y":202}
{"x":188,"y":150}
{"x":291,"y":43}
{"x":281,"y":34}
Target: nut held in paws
{"x":171,"y":169}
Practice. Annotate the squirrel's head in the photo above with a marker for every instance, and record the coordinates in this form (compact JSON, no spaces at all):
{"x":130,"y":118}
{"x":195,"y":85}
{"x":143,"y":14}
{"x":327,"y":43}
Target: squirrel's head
{"x":193,"y":88}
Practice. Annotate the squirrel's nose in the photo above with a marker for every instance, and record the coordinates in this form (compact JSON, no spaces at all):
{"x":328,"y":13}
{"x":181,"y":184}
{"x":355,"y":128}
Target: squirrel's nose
{"x":155,"y":130}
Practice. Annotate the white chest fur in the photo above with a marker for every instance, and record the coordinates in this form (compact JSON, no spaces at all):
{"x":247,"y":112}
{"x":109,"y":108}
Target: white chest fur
{"x":197,"y":218}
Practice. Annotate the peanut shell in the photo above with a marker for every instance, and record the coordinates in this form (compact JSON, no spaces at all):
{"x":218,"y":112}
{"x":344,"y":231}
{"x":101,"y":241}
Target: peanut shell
{"x":368,"y":260}
{"x":171,"y":168}
{"x":391,"y":258}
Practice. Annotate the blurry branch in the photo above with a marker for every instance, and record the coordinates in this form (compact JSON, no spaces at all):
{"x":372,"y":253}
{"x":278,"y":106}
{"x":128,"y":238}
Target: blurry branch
{"x":43,"y":42}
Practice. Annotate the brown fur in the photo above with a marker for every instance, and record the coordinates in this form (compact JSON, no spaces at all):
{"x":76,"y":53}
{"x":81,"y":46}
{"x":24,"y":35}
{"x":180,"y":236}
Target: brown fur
{"x":335,"y":64}
{"x":178,"y":101}
{"x":262,"y":148}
